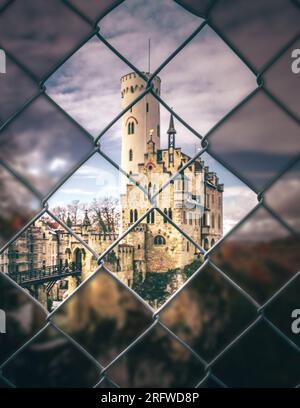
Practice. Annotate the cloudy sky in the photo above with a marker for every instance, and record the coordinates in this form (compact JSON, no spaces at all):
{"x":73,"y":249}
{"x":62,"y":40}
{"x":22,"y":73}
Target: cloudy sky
{"x":202,"y":83}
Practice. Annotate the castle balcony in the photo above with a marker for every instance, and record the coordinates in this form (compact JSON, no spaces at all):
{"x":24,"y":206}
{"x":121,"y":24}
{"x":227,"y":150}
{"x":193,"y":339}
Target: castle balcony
{"x":205,"y":230}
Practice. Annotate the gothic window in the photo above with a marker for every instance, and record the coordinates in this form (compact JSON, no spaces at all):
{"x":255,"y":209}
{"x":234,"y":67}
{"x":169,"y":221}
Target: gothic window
{"x":130,"y":128}
{"x":159,"y":240}
{"x":135,"y":215}
{"x":131,"y":216}
{"x":130,"y":155}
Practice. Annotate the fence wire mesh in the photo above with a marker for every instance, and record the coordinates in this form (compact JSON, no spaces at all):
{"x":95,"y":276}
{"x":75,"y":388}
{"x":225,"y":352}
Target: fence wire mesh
{"x":85,"y":17}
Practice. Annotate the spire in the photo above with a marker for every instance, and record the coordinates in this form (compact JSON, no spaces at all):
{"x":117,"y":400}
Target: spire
{"x":86,"y":221}
{"x":171,"y":130}
{"x":171,"y":139}
{"x":69,"y":221}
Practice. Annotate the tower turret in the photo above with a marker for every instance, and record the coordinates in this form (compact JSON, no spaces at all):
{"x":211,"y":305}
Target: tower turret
{"x":138,"y":121}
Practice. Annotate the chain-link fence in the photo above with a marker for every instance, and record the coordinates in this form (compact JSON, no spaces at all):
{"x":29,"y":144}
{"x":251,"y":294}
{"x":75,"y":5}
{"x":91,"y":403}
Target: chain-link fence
{"x":273,"y":104}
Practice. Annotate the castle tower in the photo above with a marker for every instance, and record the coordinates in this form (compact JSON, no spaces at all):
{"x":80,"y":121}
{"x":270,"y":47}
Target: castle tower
{"x":138,"y":121}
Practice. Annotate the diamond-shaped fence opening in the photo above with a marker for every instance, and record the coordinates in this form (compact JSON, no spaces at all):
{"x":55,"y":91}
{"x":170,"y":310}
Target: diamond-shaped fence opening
{"x":260,"y":255}
{"x":208,"y":313}
{"x":42,"y":154}
{"x":143,"y":367}
{"x":104,"y":317}
{"x":142,"y":238}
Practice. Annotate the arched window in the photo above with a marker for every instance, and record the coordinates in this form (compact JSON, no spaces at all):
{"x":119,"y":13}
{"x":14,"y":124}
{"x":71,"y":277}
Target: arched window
{"x":130,"y":128}
{"x":159,"y":240}
{"x":130,"y":155}
{"x":131,"y":216}
{"x":135,"y":215}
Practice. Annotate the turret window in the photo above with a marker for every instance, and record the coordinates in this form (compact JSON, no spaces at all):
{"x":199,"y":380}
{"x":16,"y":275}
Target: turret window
{"x":130,"y":128}
{"x":159,"y":240}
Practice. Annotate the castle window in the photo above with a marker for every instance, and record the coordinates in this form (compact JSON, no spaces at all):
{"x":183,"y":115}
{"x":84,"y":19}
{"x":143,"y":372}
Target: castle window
{"x":130,"y":155}
{"x":130,"y":128}
{"x":131,"y":216}
{"x":159,"y":240}
{"x":213,"y":220}
{"x":132,"y":89}
{"x":136,"y":215}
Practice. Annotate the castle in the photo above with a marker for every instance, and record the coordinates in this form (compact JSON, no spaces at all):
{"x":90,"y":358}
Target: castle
{"x":193,"y":201}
